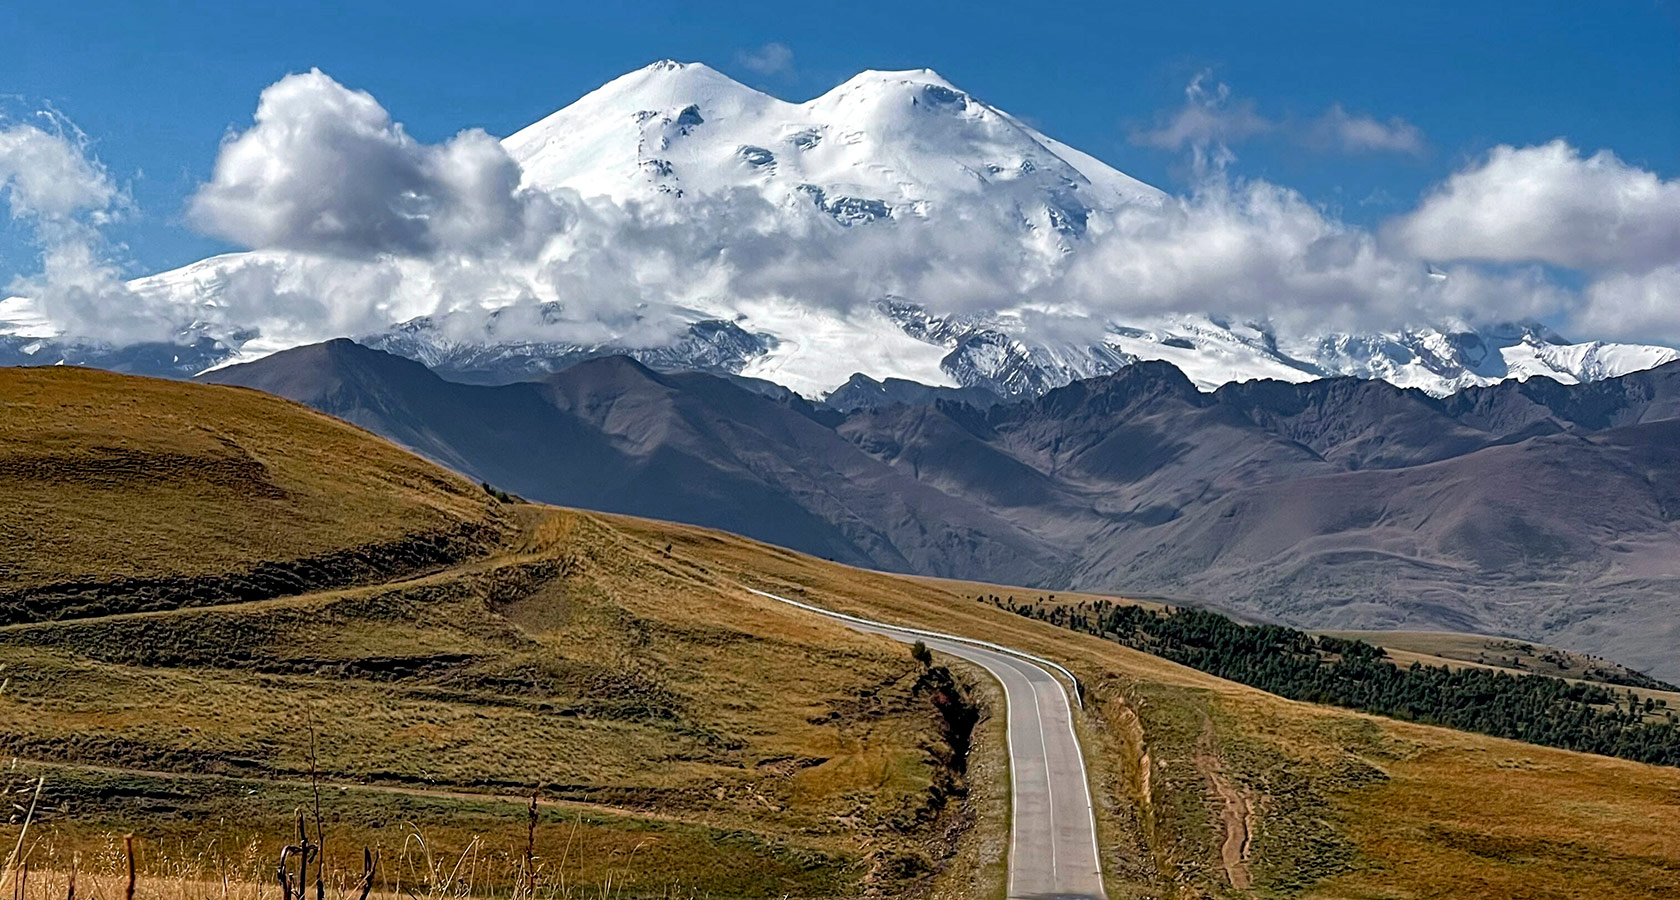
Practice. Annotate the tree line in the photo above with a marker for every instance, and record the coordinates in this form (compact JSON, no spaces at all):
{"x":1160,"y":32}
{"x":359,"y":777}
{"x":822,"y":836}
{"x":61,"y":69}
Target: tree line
{"x":1539,"y":709}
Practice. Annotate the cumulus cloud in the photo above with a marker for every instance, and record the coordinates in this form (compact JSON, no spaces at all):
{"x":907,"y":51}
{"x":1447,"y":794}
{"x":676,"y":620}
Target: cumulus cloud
{"x":324,"y":169}
{"x":355,"y":225}
{"x":63,"y":198}
{"x":48,"y":176}
{"x":1549,"y":204}
{"x":1249,"y":249}
{"x":1638,"y":307}
{"x":774,"y":58}
{"x":1256,"y":250}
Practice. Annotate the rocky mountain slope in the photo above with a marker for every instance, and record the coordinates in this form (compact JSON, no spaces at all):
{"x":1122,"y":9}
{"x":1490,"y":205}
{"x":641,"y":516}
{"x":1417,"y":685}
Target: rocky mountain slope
{"x":1531,"y":509}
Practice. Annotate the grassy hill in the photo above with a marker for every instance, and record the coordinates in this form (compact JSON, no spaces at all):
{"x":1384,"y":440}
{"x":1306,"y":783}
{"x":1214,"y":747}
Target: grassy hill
{"x":126,"y":493}
{"x":687,"y":737}
{"x":731,"y":748}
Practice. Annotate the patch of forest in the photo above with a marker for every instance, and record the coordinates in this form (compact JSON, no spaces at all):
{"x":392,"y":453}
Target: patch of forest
{"x":1539,"y":709}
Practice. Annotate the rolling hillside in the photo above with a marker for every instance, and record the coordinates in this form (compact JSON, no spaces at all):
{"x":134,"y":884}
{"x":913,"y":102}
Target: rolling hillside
{"x":686,"y":736}
{"x":730,"y":746}
{"x":613,"y":435}
{"x":126,"y":494}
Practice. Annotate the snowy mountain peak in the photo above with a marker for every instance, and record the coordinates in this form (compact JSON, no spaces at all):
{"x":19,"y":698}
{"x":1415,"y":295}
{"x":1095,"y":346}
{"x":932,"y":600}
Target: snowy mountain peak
{"x":883,"y":143}
{"x":680,"y":187}
{"x":674,"y":75}
{"x":671,"y":65}
{"x":878,"y":80}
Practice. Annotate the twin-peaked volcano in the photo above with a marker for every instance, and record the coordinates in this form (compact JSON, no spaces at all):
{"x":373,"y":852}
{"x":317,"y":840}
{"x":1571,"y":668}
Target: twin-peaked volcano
{"x":693,"y":222}
{"x":882,"y":143}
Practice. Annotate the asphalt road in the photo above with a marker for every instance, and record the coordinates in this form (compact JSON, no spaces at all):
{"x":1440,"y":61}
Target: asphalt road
{"x":1053,"y":844}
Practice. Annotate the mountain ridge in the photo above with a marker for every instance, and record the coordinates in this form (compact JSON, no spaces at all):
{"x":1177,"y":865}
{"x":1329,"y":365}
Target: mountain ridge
{"x":1339,"y":503}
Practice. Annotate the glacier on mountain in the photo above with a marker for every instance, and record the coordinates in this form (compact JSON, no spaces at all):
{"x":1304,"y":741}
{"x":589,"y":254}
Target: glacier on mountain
{"x":724,"y":171}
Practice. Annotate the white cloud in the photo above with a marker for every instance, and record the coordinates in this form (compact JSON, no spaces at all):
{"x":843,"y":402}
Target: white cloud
{"x":1357,"y":133}
{"x":1641,"y":307}
{"x":1211,"y":121}
{"x":324,"y":169}
{"x":356,"y":226}
{"x":47,"y":175}
{"x":774,"y":58}
{"x":1549,"y":204}
{"x":1261,"y":251}
{"x":64,"y":198}
{"x":1208,"y":117}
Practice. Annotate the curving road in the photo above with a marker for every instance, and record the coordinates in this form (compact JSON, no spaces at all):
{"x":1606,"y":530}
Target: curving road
{"x":1053,"y":837}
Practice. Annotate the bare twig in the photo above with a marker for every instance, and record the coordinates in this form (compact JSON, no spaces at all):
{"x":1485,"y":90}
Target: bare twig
{"x":17,"y":852}
{"x":284,"y":874}
{"x":128,"y":848}
{"x":367,"y":873}
{"x":320,"y":840}
{"x":530,"y":874}
{"x":304,"y":850}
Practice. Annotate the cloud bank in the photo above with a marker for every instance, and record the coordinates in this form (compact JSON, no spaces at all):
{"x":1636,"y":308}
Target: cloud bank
{"x":1553,"y":205}
{"x":1550,"y":204}
{"x":355,"y":225}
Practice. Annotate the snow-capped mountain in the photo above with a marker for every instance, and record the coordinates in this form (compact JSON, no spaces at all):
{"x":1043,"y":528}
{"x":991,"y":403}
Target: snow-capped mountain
{"x":883,"y":144}
{"x":681,"y":151}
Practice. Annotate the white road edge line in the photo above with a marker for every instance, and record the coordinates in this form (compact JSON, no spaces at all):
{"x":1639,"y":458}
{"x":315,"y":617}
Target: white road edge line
{"x":1009,"y":733}
{"x":1014,"y":807}
{"x":1090,"y":801}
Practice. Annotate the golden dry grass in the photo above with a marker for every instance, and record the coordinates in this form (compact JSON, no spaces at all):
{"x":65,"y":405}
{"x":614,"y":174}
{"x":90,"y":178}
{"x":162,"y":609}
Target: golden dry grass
{"x":733,"y":752}
{"x":732,"y":748}
{"x":1346,"y":804}
{"x":108,"y":477}
{"x":735,"y":746}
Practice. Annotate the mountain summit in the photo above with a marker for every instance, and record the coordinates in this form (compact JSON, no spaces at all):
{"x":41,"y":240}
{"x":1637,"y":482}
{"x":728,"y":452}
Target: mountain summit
{"x":894,"y":227}
{"x":880,"y":144}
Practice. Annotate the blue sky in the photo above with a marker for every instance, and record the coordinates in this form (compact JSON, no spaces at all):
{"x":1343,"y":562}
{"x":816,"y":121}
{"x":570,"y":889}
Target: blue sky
{"x":157,"y":88}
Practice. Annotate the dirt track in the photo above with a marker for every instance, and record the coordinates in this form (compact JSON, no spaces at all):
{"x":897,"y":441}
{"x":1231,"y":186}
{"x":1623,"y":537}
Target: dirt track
{"x":1234,"y":813}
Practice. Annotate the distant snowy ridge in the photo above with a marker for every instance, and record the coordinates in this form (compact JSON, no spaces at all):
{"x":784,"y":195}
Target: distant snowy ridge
{"x":678,"y":141}
{"x":1002,"y":356}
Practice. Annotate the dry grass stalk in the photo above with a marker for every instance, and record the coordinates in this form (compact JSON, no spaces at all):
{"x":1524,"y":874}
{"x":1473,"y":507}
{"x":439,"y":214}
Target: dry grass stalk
{"x":528,"y":877}
{"x":16,"y":858}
